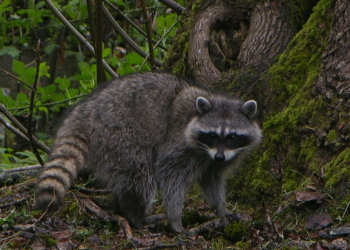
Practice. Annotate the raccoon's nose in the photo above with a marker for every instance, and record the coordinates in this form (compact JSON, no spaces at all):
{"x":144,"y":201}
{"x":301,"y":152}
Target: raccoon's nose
{"x":219,"y":157}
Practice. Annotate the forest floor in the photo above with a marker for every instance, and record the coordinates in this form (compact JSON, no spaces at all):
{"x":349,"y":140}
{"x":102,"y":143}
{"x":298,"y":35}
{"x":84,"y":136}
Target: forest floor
{"x":85,"y":222}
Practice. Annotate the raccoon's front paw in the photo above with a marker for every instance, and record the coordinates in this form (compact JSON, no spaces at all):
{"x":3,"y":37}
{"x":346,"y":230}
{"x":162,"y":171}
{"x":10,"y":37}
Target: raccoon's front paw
{"x":176,"y":225}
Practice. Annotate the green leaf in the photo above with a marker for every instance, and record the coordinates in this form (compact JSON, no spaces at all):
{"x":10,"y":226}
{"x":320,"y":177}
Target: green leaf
{"x":63,"y":83}
{"x":49,"y":48}
{"x":72,"y":93}
{"x":44,"y":69}
{"x":134,"y":58}
{"x":45,"y":110}
{"x":50,"y":89}
{"x":10,"y":50}
{"x":22,"y":99}
{"x":29,"y":75}
{"x":106,"y":52}
{"x":18,"y":67}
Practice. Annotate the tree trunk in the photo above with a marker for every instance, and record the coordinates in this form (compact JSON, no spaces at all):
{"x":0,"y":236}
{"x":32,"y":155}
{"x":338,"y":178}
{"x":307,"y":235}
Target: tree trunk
{"x":293,"y":58}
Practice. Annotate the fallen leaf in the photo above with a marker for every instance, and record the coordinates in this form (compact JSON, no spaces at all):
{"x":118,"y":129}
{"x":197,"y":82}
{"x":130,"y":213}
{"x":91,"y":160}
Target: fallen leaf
{"x":318,"y":221}
{"x":303,"y":196}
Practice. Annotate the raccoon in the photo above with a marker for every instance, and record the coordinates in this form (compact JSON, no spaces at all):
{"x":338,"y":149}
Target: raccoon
{"x":150,"y":131}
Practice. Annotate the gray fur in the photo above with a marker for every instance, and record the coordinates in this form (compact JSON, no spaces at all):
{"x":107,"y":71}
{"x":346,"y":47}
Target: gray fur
{"x":140,"y":133}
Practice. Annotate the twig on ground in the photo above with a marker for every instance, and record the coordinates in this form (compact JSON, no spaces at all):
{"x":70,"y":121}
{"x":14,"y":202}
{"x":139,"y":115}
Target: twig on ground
{"x":13,"y":175}
{"x":214,"y":224}
{"x":96,"y":210}
{"x":22,"y":169}
{"x":13,"y":203}
{"x":154,"y":218}
{"x":93,"y":191}
{"x":13,"y":178}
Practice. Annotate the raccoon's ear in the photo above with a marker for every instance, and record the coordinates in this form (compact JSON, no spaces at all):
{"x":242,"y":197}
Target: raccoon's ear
{"x":203,"y":105}
{"x":249,"y":109}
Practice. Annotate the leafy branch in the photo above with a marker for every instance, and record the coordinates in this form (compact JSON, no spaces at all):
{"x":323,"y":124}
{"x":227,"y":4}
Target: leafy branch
{"x":78,"y":35}
{"x":134,"y":25}
{"x":126,"y":37}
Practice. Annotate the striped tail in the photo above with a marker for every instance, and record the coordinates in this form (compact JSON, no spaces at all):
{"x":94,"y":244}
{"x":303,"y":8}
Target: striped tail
{"x":67,"y":159}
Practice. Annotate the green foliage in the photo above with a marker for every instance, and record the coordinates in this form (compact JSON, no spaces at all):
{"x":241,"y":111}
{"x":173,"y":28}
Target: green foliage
{"x":23,"y":23}
{"x":9,"y":158}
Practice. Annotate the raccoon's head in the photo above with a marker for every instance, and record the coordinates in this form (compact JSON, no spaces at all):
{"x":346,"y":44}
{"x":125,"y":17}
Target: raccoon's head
{"x":223,"y":127}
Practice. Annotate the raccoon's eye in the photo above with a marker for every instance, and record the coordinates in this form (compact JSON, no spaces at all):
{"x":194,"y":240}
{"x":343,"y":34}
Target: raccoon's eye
{"x":212,"y":135}
{"x":232,"y":136}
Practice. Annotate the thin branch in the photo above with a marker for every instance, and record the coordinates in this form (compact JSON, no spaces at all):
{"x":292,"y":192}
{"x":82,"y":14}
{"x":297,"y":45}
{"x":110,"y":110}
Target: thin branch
{"x":148,"y":22}
{"x":173,"y":5}
{"x":160,"y":40}
{"x":96,"y":210}
{"x":125,"y":36}
{"x":31,"y":106}
{"x":15,"y":77}
{"x":22,"y":169}
{"x":101,"y":77}
{"x":22,"y":129}
{"x":91,"y":9}
{"x":131,"y":22}
{"x":13,"y":203}
{"x":93,"y":191}
{"x":51,"y":103}
{"x":13,"y":129}
{"x":7,"y":179}
{"x":78,"y":35}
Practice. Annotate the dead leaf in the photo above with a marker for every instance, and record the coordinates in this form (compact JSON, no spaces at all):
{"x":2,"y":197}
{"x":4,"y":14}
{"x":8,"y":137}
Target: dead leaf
{"x":318,"y":221}
{"x":303,"y":196}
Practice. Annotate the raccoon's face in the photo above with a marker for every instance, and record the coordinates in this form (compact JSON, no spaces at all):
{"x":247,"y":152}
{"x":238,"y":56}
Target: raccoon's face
{"x":223,"y":129}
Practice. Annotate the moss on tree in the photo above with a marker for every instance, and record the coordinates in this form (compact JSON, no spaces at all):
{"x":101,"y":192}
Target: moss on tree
{"x":289,"y":154}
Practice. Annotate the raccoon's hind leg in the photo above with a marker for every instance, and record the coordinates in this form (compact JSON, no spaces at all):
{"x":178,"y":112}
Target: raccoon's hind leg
{"x":135,"y":198}
{"x":212,"y":183}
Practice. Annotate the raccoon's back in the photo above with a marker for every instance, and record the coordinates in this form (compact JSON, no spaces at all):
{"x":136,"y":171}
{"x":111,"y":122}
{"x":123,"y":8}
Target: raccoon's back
{"x":117,"y":127}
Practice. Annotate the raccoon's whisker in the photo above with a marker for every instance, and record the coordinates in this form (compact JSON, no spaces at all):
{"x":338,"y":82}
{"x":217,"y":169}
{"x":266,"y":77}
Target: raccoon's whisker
{"x":203,"y":146}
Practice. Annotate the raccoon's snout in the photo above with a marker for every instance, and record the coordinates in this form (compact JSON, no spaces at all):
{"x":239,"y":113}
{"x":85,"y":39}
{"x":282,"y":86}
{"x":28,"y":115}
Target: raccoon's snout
{"x":219,"y":156}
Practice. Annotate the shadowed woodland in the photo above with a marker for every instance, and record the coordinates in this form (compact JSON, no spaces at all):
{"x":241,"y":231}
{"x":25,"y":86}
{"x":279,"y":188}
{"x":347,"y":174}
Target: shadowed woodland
{"x":292,"y":57}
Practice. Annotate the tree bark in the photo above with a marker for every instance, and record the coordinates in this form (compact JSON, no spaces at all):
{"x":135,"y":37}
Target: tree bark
{"x":216,"y":17}
{"x":293,"y":58}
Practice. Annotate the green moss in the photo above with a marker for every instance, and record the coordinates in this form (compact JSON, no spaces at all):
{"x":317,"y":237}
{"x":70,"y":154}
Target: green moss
{"x":192,"y":217}
{"x":287,"y":153}
{"x":235,"y":231}
{"x":332,"y":135}
{"x":179,"y":51}
{"x":338,"y":169}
